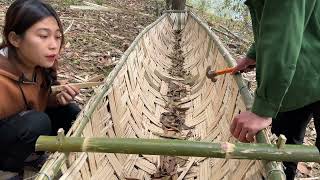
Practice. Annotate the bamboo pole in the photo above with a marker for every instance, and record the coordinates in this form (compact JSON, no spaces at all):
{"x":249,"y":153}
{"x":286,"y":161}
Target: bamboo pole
{"x":274,"y":170}
{"x":270,"y":152}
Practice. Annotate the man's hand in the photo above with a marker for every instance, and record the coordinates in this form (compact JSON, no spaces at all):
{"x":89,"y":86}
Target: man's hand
{"x":67,"y":95}
{"x":243,"y":64}
{"x":246,"y":125}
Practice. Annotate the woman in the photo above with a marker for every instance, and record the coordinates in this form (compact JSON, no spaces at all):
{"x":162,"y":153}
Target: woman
{"x":33,"y":37}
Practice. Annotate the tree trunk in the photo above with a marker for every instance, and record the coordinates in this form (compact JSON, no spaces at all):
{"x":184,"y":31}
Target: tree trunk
{"x":168,"y":4}
{"x":178,"y":4}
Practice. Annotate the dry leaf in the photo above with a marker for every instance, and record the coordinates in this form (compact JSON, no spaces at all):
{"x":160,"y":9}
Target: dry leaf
{"x":304,"y":169}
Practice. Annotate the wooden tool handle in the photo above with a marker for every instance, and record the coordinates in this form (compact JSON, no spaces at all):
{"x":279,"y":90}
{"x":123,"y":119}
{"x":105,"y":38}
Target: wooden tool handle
{"x":77,"y":85}
{"x":224,"y":71}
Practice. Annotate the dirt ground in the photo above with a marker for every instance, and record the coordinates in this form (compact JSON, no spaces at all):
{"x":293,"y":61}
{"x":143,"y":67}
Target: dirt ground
{"x":96,"y":39}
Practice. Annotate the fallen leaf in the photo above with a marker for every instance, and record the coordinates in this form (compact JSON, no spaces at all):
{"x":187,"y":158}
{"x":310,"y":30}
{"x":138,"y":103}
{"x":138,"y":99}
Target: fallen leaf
{"x":304,"y":169}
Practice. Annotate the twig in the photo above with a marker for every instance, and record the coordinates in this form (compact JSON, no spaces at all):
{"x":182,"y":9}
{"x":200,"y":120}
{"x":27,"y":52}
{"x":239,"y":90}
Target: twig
{"x":103,"y":20}
{"x":80,"y":79}
{"x":101,"y":7}
{"x":96,"y":78}
{"x":69,"y":27}
{"x":82,"y":19}
{"x":184,"y":173}
{"x":77,"y":85}
{"x":233,"y":34}
{"x":89,"y":8}
{"x":218,"y":31}
{"x":92,"y":6}
{"x":104,"y":23}
{"x":168,"y":136}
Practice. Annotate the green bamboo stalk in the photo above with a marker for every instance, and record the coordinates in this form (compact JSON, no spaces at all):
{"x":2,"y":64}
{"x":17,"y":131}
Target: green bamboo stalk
{"x":274,"y":170}
{"x":292,"y":153}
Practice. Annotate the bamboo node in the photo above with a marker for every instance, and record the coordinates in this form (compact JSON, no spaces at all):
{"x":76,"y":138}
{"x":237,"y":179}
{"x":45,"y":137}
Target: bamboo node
{"x":85,"y":144}
{"x":281,"y":141}
{"x":60,"y":137}
{"x":274,"y":171}
{"x":227,"y":148}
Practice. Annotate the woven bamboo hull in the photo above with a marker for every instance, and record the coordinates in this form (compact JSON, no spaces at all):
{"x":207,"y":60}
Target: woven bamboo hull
{"x":131,"y":102}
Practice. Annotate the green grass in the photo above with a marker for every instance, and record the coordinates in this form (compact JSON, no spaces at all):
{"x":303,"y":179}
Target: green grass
{"x":99,"y":2}
{"x":70,"y":2}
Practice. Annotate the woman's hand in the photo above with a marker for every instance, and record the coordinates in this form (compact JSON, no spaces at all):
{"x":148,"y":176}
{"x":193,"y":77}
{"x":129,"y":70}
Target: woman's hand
{"x":67,"y":95}
{"x":243,"y":64}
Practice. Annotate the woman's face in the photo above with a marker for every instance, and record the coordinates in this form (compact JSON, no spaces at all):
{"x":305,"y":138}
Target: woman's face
{"x":40,"y":46}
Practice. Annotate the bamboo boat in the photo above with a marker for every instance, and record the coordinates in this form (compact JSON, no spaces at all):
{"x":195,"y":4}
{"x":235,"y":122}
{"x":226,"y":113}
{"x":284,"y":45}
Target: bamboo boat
{"x":159,"y":90}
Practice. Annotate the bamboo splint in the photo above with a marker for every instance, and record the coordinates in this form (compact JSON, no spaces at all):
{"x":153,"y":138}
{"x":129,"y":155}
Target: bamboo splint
{"x":159,"y":82}
{"x":77,"y":85}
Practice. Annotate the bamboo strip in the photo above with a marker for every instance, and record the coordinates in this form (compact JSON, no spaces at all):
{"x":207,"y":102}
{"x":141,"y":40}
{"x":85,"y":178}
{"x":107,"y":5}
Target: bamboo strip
{"x":96,"y":78}
{"x":70,"y":172}
{"x":183,"y":174}
{"x":76,"y":85}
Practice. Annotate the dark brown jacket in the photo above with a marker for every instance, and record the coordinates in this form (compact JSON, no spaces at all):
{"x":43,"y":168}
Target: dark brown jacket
{"x":18,"y":94}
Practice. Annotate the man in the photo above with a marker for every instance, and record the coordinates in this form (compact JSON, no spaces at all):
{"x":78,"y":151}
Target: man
{"x":287,"y":57}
